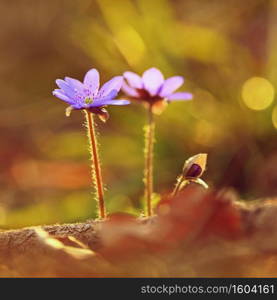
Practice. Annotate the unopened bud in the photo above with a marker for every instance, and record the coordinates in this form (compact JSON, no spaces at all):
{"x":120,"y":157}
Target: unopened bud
{"x":195,"y":166}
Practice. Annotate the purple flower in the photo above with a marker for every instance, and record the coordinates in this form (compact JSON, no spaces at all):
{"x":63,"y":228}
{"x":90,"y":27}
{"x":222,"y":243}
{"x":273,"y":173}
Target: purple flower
{"x":152,"y":88}
{"x":87,"y":95}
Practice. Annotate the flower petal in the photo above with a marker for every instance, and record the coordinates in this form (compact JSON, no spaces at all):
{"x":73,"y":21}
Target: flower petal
{"x":98,"y":101}
{"x":112,"y":94}
{"x":116,"y":102}
{"x":68,"y":90}
{"x":108,"y":100}
{"x":133,"y":79}
{"x":114,"y":84}
{"x":102,"y":102}
{"x":152,"y":80}
{"x":179,"y":96}
{"x":60,"y":94}
{"x":170,"y":85}
{"x":91,"y":80}
{"x":129,"y":91}
{"x":75,"y":84}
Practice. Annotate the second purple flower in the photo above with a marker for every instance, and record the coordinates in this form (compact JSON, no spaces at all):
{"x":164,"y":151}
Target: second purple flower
{"x":153,"y":90}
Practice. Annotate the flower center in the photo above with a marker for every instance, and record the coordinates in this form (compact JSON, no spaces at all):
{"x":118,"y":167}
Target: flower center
{"x":88,"y":100}
{"x":144,"y":94}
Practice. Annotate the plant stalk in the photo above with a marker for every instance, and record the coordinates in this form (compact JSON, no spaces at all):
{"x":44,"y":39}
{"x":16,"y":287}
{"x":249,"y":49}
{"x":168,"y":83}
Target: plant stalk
{"x":96,"y":169}
{"x":177,"y":187}
{"x":148,"y":168}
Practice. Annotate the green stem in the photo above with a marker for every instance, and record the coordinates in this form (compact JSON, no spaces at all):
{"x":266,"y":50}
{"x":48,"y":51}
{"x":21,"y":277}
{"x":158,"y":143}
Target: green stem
{"x":96,"y":169}
{"x":148,"y":168}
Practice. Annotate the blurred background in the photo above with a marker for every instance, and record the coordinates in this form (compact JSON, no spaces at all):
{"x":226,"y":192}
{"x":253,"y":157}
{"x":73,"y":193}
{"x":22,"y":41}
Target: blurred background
{"x":226,"y":50}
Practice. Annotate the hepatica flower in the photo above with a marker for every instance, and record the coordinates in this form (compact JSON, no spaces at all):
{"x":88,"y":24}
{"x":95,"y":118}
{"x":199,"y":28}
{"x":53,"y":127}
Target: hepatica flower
{"x":87,"y":96}
{"x":153,"y":90}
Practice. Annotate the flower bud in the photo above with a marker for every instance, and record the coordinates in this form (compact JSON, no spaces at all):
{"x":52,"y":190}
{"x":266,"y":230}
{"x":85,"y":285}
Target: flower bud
{"x":195,"y":166}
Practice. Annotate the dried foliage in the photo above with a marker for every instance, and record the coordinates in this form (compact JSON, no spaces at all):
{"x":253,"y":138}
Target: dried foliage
{"x":197,"y":233}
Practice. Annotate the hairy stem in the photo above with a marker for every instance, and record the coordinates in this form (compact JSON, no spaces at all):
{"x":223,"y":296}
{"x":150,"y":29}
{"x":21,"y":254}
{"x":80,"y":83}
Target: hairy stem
{"x":148,"y":168}
{"x":177,"y":186}
{"x":96,"y":169}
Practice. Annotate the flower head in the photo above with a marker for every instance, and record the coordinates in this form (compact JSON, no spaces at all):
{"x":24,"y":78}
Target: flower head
{"x":153,"y":89}
{"x":87,"y":95}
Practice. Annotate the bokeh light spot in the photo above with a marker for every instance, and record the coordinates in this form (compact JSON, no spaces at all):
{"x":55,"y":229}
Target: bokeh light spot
{"x":257,"y":93}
